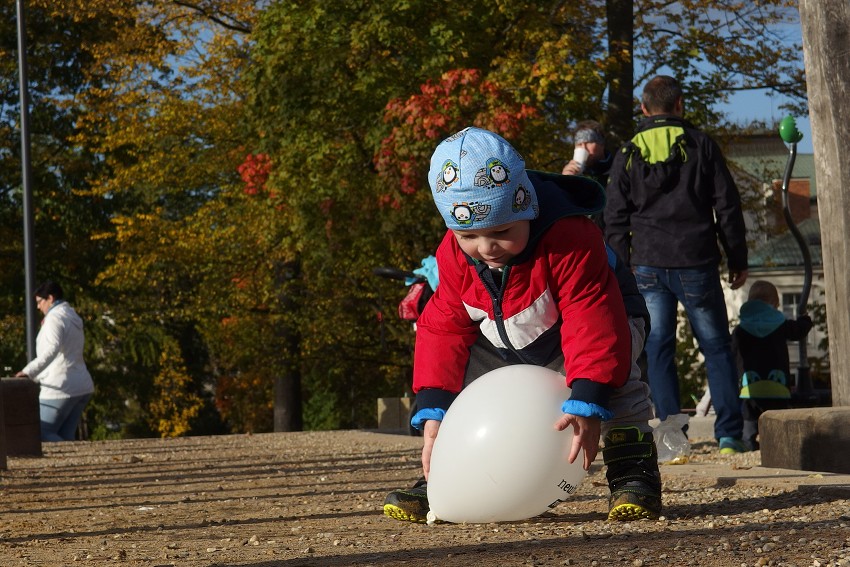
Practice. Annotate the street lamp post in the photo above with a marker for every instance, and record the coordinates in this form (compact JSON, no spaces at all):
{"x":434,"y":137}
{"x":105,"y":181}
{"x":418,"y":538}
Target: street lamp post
{"x":29,"y":246}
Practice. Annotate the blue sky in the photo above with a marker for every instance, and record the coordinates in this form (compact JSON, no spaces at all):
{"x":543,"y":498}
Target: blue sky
{"x":745,"y":107}
{"x":758,"y":105}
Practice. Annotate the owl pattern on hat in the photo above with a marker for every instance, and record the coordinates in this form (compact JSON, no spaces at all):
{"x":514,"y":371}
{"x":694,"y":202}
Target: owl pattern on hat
{"x":478,"y":180}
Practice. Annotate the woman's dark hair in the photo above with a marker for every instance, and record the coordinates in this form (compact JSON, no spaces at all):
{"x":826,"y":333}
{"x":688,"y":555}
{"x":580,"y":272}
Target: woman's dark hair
{"x":47,"y":289}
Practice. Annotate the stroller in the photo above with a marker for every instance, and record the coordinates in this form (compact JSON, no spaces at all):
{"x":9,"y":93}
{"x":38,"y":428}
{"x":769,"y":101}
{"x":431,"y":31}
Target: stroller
{"x":422,"y":283}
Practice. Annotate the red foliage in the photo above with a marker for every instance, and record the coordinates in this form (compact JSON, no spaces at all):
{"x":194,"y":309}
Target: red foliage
{"x":461,"y":98}
{"x":255,"y":172}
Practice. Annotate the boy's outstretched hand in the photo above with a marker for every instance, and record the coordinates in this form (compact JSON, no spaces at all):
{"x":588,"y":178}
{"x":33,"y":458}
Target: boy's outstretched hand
{"x":586,"y":431}
{"x":429,"y":435}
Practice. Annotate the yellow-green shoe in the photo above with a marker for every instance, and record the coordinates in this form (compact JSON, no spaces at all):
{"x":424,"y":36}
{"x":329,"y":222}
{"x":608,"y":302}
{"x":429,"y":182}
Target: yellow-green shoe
{"x":628,"y":506}
{"x":408,"y":504}
{"x":731,"y":446}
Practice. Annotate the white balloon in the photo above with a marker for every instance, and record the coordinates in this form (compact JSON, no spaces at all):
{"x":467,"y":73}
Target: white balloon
{"x":498,"y":456}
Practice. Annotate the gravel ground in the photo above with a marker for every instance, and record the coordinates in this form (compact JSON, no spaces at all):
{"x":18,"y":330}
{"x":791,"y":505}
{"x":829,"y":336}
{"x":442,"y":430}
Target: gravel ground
{"x":315,"y":499}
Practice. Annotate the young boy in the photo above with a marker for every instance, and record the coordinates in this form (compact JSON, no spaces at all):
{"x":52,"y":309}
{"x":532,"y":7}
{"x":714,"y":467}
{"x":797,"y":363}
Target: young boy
{"x":761,"y":342}
{"x":525,"y":278}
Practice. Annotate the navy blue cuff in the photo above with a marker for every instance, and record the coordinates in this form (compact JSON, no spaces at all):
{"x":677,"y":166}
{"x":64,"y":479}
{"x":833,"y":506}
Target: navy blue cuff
{"x":586,"y":390}
{"x":434,"y":398}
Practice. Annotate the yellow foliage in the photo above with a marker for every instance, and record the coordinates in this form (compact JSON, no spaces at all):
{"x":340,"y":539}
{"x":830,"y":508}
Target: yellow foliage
{"x":173,"y":405}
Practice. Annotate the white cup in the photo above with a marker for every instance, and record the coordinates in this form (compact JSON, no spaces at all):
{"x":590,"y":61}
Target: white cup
{"x":580,"y":157}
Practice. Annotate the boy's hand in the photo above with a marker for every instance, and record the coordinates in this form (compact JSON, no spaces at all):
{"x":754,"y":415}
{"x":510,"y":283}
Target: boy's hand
{"x":586,"y":431}
{"x":429,"y":434}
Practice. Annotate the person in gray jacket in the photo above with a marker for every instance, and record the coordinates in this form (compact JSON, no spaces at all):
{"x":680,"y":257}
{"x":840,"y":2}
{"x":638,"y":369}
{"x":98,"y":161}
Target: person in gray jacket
{"x":59,"y":368}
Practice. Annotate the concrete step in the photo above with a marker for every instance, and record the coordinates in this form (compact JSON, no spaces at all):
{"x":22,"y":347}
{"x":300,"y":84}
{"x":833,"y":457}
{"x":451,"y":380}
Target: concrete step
{"x":806,"y":439}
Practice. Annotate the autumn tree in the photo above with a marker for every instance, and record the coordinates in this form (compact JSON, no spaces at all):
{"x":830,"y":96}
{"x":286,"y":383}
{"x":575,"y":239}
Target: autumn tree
{"x":691,"y":39}
{"x":168,"y":125}
{"x":64,"y":215}
{"x":389,"y":82}
{"x":223,"y":175}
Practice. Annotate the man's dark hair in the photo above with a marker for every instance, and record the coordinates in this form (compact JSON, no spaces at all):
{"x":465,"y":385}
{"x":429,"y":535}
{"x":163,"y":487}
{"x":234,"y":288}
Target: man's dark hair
{"x":661,"y":94}
{"x":47,"y":289}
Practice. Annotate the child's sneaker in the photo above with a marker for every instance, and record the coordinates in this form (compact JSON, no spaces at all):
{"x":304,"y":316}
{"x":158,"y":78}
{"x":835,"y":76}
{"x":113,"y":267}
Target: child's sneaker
{"x":408,"y":504}
{"x":730,"y":446}
{"x":633,"y":475}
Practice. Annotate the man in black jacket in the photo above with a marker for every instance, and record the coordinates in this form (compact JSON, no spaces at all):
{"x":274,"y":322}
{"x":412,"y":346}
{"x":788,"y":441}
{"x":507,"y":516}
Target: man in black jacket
{"x":671,"y":198}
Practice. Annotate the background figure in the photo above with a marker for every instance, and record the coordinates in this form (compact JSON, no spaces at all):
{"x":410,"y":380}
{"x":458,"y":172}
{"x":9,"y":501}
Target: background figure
{"x":589,"y":140}
{"x":590,"y":137}
{"x":668,"y":185}
{"x":761,"y":343}
{"x":66,"y":385}
{"x":703,"y":407}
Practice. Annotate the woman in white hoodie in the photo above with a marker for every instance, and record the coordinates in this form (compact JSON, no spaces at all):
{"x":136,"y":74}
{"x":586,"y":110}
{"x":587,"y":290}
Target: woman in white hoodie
{"x":58,"y":367}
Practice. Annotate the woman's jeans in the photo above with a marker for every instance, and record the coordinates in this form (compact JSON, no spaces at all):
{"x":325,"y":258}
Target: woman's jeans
{"x":60,"y":417}
{"x":699,"y":291}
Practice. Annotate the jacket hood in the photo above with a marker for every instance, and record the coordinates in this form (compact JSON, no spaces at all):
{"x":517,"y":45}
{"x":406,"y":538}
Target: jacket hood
{"x":759,"y":318}
{"x":558,"y":196}
{"x":563,"y":196}
{"x":662,"y":120}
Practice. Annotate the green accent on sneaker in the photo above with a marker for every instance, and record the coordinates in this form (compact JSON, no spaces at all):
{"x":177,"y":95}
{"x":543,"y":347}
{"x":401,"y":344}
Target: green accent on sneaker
{"x":624,"y":443}
{"x":731,"y":446}
{"x":408,"y":504}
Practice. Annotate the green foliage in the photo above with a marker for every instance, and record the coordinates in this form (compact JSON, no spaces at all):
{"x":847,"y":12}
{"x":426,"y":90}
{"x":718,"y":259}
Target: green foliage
{"x":690,"y":365}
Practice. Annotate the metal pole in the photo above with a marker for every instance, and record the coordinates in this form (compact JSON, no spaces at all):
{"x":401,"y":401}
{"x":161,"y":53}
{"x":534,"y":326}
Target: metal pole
{"x":790,"y":135}
{"x":29,"y":244}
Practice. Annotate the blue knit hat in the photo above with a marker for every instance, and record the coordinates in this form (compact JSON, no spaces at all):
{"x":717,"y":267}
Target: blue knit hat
{"x":478,"y":181}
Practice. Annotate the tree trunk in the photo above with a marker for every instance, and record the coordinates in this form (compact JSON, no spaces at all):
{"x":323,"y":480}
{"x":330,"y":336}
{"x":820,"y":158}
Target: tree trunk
{"x":287,"y":402}
{"x":826,"y":50}
{"x":288,"y":410}
{"x":621,"y":82}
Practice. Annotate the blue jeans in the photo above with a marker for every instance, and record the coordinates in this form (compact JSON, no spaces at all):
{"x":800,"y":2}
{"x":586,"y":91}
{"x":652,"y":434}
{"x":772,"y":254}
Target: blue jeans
{"x":699,"y":291}
{"x":60,"y":417}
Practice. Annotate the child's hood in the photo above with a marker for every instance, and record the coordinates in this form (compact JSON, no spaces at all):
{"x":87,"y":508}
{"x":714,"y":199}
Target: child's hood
{"x":759,"y":318}
{"x":562,"y":196}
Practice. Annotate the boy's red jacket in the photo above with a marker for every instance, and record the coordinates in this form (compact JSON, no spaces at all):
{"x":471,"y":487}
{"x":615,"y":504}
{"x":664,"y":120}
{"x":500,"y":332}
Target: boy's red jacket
{"x":560,"y":296}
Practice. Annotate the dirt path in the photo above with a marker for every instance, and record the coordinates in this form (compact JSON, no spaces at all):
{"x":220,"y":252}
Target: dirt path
{"x":315,"y":499}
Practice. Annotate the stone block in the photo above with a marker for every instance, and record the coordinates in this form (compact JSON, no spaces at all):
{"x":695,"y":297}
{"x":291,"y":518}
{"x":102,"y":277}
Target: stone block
{"x":393,"y":413}
{"x":21,"y":417}
{"x":806,"y":439}
{"x":3,"y":451}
